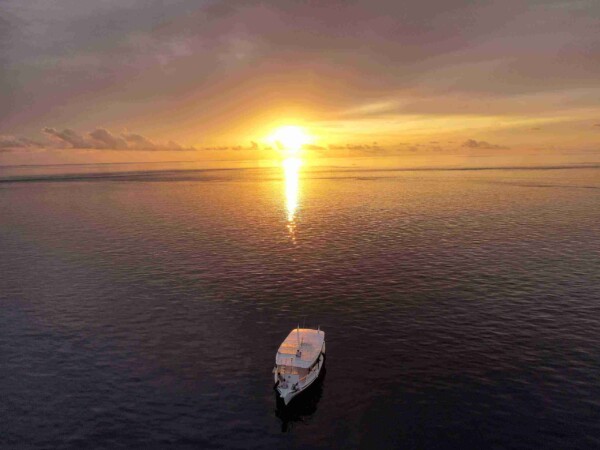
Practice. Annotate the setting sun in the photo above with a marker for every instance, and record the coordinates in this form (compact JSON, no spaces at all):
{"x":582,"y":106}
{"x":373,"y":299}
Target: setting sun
{"x":290,"y":138}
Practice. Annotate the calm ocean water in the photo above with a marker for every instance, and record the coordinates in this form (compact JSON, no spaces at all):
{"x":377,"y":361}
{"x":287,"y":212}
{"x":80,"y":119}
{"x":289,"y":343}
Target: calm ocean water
{"x":144,"y":308}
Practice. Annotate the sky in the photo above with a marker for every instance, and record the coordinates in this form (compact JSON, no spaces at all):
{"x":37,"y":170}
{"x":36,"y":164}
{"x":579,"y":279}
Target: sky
{"x":120,"y":80}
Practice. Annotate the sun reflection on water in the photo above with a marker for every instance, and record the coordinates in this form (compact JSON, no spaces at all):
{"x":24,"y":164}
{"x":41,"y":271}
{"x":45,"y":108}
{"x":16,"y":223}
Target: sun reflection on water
{"x":291,"y":170}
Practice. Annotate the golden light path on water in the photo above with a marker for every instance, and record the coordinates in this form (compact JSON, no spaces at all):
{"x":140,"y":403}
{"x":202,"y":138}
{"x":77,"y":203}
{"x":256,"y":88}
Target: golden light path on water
{"x":291,"y":171}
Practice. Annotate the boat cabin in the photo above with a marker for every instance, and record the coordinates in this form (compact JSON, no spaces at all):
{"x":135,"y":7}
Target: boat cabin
{"x":299,"y":352}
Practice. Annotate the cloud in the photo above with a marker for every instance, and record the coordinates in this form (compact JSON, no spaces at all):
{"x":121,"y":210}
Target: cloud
{"x":12,"y":142}
{"x":372,"y":149}
{"x":363,"y":149}
{"x":482,"y":145}
{"x":67,"y":136}
{"x":253,"y":146}
{"x":106,"y":138}
{"x":139,"y":142}
{"x":102,"y":139}
{"x":360,"y":147}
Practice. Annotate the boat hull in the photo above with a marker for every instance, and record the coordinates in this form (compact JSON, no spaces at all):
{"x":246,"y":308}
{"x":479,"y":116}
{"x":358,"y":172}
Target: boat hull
{"x":290,"y":393}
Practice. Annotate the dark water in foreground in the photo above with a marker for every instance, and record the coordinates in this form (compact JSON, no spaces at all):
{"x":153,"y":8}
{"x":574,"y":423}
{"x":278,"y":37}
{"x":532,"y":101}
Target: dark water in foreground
{"x":462,"y":308}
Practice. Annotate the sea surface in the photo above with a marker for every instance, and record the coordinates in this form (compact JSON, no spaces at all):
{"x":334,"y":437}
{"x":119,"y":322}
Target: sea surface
{"x":141,"y":307}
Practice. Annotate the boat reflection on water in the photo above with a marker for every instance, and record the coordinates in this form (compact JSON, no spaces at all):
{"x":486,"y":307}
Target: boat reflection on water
{"x":302,"y":407}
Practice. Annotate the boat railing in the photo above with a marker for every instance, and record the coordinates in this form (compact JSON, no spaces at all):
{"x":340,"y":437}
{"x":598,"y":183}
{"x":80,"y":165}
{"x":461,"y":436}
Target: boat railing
{"x":303,"y":379}
{"x":311,"y":374}
{"x":292,"y":370}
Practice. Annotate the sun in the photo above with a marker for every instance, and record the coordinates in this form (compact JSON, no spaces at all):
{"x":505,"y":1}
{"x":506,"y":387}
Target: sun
{"x":290,"y":138}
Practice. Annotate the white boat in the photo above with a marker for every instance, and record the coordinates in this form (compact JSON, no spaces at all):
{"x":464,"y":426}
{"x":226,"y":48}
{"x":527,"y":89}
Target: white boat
{"x":299,"y":361}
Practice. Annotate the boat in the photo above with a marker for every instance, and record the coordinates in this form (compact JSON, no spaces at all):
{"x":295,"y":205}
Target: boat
{"x":298,"y":362}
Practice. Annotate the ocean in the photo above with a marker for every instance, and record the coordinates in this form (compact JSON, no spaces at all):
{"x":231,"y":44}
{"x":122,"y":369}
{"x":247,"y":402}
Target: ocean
{"x":142,"y":306}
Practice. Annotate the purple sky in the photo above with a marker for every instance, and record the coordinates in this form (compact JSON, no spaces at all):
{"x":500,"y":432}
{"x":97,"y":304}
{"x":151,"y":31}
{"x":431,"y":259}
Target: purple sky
{"x":179,"y":76}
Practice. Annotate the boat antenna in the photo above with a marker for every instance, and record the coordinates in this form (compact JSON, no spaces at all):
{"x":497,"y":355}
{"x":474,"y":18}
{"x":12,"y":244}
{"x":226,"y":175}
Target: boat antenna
{"x":298,"y":335}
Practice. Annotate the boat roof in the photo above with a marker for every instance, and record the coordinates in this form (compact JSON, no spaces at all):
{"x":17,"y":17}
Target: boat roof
{"x":311,"y":342}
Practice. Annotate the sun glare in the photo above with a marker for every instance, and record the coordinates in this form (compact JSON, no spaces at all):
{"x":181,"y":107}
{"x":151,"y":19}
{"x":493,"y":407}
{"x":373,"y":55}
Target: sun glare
{"x":290,"y":138}
{"x":291,"y":170}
